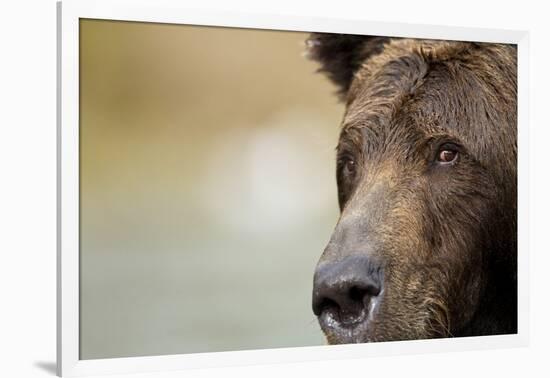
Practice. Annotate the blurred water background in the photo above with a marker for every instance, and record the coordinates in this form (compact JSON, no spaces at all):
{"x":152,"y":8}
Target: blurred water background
{"x":207,"y":188}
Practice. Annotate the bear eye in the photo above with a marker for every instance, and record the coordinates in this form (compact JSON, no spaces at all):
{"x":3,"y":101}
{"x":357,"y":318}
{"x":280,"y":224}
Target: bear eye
{"x":349,"y":166}
{"x":447,"y":154}
{"x":346,"y":173}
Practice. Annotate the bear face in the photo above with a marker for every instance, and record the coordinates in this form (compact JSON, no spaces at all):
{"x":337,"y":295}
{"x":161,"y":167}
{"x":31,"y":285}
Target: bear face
{"x":425,"y":245}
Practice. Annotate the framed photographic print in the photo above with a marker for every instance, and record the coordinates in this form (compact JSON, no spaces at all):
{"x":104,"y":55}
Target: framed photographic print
{"x":254,"y":188}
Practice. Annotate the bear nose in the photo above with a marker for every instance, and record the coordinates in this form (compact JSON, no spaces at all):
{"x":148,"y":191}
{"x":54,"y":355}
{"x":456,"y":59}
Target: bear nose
{"x":345,"y":288}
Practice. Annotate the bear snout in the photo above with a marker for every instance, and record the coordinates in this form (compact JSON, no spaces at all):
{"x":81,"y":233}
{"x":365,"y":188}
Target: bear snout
{"x":345,"y":291}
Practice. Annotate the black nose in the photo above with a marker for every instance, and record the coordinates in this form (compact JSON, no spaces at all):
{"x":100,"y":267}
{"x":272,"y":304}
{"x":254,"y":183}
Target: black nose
{"x":346,"y":288}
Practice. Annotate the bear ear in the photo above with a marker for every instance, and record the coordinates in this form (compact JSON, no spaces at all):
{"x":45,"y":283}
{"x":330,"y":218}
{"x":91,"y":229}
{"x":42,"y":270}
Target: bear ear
{"x":340,"y":55}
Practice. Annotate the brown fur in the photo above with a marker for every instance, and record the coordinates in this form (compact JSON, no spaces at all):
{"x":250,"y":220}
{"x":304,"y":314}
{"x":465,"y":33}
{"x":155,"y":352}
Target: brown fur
{"x":444,"y":236}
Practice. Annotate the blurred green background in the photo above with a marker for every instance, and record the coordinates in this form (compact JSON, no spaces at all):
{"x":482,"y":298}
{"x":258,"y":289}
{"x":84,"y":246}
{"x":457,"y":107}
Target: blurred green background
{"x":207,"y":188}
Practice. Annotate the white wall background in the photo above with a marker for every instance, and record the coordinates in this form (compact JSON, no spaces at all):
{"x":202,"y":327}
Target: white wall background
{"x":27,"y":188}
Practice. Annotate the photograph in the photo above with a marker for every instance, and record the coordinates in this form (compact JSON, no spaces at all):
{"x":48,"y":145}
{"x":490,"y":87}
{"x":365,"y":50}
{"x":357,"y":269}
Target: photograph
{"x":276,"y":188}
{"x":246,"y":189}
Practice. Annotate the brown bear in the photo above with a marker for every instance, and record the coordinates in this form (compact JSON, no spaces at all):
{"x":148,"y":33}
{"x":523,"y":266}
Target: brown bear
{"x":426,"y":242}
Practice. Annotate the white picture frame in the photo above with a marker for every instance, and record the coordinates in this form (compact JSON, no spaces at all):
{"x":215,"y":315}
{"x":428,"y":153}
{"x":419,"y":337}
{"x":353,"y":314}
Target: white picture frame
{"x":174,"y":12}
